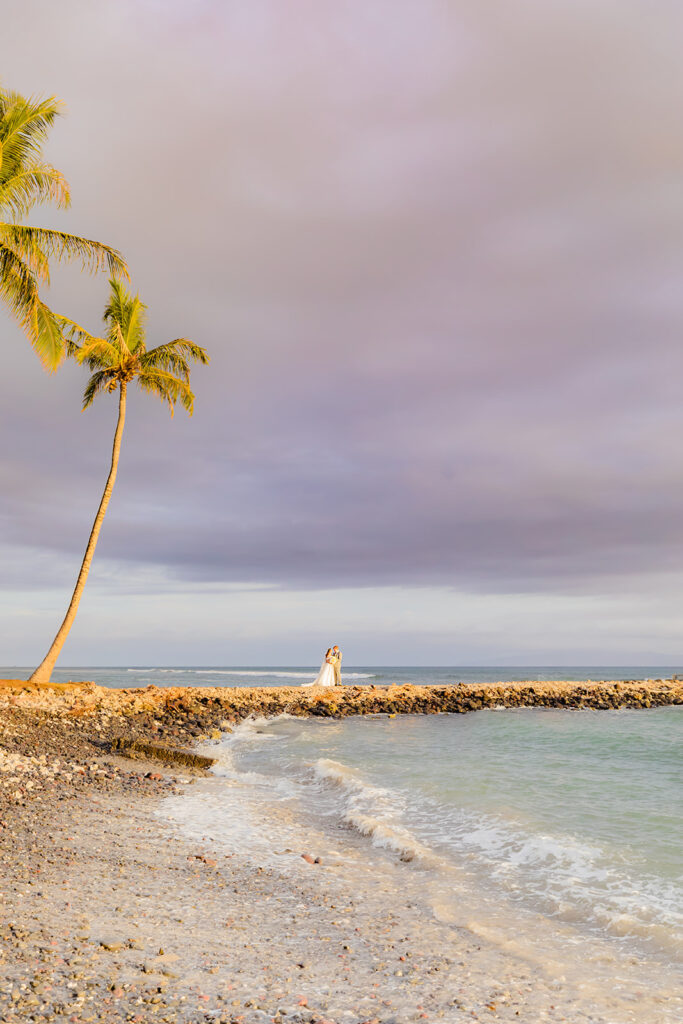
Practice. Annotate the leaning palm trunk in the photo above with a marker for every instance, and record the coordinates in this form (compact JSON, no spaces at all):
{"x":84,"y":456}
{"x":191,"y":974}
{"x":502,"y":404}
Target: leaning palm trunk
{"x":44,"y":671}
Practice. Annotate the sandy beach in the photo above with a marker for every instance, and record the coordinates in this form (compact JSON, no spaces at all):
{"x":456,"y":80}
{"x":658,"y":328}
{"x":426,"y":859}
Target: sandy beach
{"x":111,"y":912}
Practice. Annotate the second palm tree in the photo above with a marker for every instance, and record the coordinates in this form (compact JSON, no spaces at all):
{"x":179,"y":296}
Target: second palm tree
{"x":118,"y":359}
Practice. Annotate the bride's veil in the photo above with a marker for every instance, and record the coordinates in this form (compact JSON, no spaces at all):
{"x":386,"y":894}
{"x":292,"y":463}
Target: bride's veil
{"x":322,"y":666}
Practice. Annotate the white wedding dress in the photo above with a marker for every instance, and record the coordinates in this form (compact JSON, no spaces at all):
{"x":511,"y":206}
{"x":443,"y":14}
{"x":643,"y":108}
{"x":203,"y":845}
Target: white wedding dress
{"x":325,"y":676}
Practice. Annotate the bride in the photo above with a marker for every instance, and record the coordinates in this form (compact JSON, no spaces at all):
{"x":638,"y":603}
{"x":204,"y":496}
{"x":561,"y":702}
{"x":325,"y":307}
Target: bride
{"x":325,"y":676}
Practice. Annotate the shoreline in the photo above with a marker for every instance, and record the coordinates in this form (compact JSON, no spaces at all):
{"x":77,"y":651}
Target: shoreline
{"x":97,"y":880}
{"x":124,"y":918}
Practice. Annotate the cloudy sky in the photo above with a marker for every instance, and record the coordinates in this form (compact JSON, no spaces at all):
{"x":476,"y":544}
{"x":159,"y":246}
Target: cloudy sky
{"x":435,"y":250}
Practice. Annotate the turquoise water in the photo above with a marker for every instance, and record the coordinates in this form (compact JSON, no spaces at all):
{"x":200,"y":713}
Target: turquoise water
{"x":576,"y":815}
{"x":573,"y":814}
{"x":197,"y":675}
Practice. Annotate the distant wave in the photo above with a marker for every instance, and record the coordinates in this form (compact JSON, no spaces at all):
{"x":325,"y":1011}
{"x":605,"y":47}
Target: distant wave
{"x":169,"y":671}
{"x":256,"y":673}
{"x":251,"y":672}
{"x":274,"y":674}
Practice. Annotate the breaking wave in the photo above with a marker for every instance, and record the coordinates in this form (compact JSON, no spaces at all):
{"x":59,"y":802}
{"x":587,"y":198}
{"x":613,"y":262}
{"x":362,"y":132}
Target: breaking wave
{"x":275,"y":673}
{"x":409,"y":789}
{"x":372,"y":811}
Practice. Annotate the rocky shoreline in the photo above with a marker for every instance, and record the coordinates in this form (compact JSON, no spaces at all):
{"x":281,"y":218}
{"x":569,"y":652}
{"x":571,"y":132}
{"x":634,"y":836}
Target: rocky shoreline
{"x":54,"y":731}
{"x":190,"y":713}
{"x":86,"y":870}
{"x":59,"y":735}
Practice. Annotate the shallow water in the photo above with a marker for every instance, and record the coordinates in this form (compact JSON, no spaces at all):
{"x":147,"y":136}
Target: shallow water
{"x":571,"y":815}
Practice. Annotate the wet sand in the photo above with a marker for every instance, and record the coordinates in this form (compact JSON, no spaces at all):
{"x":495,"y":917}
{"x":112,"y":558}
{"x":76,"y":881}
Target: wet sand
{"x":112,"y":913}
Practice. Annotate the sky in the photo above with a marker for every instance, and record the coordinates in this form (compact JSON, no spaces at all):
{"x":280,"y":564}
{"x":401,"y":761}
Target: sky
{"x":435,"y":252}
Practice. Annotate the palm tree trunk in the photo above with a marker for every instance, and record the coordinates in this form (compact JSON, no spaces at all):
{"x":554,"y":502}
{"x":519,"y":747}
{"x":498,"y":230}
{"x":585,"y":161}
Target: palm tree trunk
{"x":44,"y":671}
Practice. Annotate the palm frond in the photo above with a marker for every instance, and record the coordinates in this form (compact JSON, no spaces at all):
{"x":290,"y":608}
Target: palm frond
{"x":99,"y":382}
{"x":98,"y":354}
{"x":51,"y":334}
{"x":125,"y":316}
{"x":115,"y":310}
{"x":93,"y":255}
{"x":136,"y":325}
{"x":24,"y":127}
{"x":27,"y":249}
{"x":75,"y":336}
{"x":119,"y":342}
{"x":32,"y":185}
{"x":18,"y":289}
{"x":17,"y":284}
{"x":43,"y":329}
{"x":167,"y":361}
{"x":168,"y":388}
{"x":182,"y":347}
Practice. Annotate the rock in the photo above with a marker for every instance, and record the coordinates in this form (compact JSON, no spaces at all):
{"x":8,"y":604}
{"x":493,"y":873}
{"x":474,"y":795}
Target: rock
{"x":112,"y":945}
{"x":205,"y":860}
{"x":308,"y":858}
{"x":138,"y":748}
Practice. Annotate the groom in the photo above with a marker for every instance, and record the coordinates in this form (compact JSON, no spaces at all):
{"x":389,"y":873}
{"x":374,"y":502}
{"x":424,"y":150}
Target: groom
{"x":337,"y":668}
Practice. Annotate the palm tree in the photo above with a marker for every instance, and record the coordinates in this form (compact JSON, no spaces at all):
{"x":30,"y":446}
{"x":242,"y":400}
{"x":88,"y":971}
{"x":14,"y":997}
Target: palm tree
{"x":118,"y":359}
{"x":25,"y":252}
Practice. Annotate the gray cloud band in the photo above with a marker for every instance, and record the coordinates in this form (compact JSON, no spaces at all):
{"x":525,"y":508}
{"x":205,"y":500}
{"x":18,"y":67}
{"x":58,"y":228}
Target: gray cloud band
{"x":437,"y":269}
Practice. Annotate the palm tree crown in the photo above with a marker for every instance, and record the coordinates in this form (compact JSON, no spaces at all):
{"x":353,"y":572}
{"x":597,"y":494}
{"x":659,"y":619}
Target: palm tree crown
{"x":122,"y":356}
{"x":26,"y":181}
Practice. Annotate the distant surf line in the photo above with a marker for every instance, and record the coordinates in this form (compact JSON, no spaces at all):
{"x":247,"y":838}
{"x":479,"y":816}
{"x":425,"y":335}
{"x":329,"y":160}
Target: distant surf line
{"x":246,"y":672}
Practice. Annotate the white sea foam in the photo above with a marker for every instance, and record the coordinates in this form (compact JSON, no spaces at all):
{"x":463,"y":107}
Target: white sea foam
{"x":274,"y":674}
{"x":380,"y":790}
{"x":165,"y":671}
{"x":252,"y":730}
{"x":372,"y":811}
{"x":249,"y":673}
{"x":348,"y":780}
{"x":572,"y":879}
{"x":232,"y":805}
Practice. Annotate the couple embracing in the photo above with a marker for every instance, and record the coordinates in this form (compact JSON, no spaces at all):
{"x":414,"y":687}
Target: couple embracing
{"x":330,"y":670}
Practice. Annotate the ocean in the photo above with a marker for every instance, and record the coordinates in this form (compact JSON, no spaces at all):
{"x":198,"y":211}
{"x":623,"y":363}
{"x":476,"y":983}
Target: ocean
{"x":204,"y":675}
